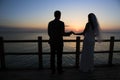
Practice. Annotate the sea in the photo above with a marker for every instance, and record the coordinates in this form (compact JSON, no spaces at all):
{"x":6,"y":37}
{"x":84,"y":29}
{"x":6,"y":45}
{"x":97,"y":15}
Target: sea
{"x":31,"y":61}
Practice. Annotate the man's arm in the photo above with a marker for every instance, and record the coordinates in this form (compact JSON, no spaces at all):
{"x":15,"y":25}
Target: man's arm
{"x":67,"y":33}
{"x":49,"y":32}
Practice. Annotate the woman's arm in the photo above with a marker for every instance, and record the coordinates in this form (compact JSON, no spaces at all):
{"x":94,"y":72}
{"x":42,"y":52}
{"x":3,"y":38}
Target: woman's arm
{"x":78,"y":33}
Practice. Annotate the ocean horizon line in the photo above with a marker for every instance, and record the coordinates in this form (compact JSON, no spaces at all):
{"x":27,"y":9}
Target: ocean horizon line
{"x":36,"y":30}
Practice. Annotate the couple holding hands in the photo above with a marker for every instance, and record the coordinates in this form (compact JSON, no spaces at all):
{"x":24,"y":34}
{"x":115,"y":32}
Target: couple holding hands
{"x":56,"y":31}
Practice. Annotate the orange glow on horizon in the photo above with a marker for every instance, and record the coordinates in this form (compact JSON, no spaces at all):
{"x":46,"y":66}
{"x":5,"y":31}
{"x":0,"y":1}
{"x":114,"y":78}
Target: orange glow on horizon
{"x":74,"y":28}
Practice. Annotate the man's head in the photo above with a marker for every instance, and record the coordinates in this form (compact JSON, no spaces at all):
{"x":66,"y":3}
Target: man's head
{"x":57,"y":14}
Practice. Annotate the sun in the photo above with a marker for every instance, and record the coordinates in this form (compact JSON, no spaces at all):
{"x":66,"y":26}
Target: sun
{"x":77,"y":29}
{"x":74,"y":27}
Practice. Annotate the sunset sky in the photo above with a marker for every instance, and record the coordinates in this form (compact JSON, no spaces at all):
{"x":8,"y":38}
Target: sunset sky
{"x":37,"y":13}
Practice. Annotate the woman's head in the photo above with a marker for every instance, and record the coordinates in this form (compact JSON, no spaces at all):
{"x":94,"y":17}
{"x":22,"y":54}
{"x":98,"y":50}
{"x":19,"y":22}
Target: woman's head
{"x":93,"y":20}
{"x":92,"y":17}
{"x":95,"y":25}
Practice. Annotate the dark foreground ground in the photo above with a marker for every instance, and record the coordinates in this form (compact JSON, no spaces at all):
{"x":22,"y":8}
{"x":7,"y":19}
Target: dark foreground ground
{"x":100,"y":73}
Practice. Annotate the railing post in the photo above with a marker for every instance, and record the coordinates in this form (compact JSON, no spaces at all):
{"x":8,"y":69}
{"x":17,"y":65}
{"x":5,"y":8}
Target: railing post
{"x":40,"y":52}
{"x":77,"y":51}
{"x":2,"y":55}
{"x":111,"y":50}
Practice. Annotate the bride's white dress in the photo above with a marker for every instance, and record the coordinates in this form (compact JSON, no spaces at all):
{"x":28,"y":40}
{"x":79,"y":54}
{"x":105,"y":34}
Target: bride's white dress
{"x":87,"y":55}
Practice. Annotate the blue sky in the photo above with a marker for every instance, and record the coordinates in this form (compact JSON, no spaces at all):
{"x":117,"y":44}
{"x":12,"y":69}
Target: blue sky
{"x":37,"y":13}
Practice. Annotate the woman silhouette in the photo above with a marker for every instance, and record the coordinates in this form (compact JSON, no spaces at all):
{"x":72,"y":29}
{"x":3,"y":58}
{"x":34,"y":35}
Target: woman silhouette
{"x":91,"y":30}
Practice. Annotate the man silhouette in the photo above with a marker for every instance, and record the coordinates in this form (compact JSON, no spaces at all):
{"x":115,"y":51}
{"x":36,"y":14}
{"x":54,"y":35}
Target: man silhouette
{"x":56,"y":31}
